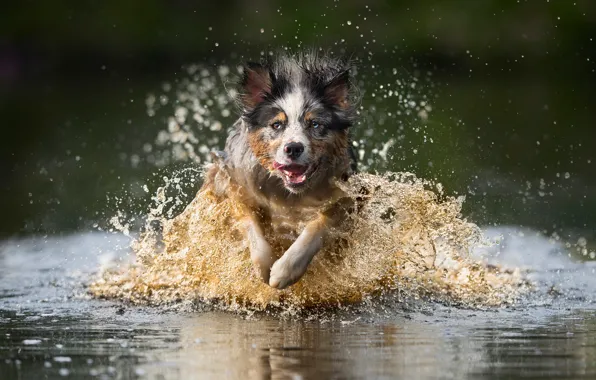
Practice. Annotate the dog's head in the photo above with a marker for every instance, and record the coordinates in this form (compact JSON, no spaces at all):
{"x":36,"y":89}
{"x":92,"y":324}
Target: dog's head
{"x":298,"y":110}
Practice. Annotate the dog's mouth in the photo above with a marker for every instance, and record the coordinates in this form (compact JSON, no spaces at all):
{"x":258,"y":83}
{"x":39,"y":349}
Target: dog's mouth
{"x":294,"y":175}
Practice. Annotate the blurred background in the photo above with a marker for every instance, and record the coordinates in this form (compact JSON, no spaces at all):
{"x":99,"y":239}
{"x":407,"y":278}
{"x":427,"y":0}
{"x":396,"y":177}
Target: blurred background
{"x":512,"y":86}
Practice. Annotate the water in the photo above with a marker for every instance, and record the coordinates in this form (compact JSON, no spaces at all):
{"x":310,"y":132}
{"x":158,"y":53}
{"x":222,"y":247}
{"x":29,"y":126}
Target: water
{"x":50,"y":328}
{"x":516,"y":145}
{"x":57,"y":330}
{"x":404,"y":240}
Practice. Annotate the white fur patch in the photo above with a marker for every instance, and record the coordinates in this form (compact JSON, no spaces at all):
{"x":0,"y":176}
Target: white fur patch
{"x":293,"y":105}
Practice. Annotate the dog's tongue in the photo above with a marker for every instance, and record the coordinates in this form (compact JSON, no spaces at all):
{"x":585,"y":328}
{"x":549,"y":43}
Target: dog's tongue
{"x":294,"y":173}
{"x":295,"y":178}
{"x":293,"y":169}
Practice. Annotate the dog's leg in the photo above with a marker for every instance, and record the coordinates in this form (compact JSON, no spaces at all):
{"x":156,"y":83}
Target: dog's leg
{"x":260,"y":251}
{"x":292,"y":265}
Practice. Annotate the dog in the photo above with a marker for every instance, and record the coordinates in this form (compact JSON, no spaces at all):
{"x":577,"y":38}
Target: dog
{"x":284,"y":154}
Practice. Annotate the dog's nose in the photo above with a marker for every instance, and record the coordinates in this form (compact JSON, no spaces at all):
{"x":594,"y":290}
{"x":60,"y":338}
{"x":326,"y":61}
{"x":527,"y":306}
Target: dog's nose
{"x":294,"y":149}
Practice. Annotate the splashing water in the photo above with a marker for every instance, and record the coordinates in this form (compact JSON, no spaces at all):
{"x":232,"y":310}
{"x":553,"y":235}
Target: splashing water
{"x":406,"y":239}
{"x":202,"y":106}
{"x":402,"y":239}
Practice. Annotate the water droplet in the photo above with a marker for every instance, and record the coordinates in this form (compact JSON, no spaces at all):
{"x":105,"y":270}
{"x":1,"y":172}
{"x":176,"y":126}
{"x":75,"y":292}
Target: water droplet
{"x":30,"y":342}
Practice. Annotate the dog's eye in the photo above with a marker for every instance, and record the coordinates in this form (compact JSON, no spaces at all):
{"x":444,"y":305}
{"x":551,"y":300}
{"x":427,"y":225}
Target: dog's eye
{"x":276,"y":125}
{"x":315,"y":124}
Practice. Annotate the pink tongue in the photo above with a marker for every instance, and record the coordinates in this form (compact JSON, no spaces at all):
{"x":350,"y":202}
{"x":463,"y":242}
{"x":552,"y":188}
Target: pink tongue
{"x":296,"y":178}
{"x":294,"y":169}
{"x":294,"y":173}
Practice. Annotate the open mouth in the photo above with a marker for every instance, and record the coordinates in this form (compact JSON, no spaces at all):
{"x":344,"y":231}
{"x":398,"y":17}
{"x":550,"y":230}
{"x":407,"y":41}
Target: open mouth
{"x":293,"y":174}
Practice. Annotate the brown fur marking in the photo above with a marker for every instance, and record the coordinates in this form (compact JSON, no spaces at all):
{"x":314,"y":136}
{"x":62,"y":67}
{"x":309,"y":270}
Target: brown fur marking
{"x":280,"y":117}
{"x":262,"y":149}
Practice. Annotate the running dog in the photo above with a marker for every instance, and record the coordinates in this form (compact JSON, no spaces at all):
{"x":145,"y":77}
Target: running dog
{"x":283,"y":156}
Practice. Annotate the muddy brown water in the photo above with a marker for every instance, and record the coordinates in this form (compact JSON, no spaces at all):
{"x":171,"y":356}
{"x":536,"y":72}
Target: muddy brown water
{"x":51,"y":329}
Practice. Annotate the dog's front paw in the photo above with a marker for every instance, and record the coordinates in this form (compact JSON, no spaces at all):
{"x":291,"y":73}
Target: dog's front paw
{"x":280,"y":276}
{"x":286,"y":271}
{"x":262,"y":260}
{"x":263,"y":269}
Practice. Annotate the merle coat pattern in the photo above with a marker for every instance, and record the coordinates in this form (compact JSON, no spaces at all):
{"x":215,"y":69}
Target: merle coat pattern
{"x":290,"y":144}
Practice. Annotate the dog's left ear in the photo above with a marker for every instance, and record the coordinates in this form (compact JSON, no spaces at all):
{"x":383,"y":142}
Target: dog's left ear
{"x":256,"y":84}
{"x":337,"y":90}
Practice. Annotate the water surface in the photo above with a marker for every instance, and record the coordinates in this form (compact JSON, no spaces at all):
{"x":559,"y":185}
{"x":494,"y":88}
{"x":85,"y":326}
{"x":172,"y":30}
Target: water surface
{"x":50,"y":328}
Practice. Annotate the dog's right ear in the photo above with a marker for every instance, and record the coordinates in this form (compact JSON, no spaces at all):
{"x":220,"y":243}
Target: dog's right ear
{"x":256,"y":84}
{"x":337,"y":90}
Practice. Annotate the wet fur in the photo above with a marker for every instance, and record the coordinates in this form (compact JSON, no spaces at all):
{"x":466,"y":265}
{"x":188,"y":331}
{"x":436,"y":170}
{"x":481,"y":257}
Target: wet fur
{"x":306,"y":98}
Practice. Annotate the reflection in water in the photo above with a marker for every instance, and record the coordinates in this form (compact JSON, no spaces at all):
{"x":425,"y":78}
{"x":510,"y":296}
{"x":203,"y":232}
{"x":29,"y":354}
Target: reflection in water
{"x":266,"y":349}
{"x":562,"y":347}
{"x":450,"y":344}
{"x":50,"y":329}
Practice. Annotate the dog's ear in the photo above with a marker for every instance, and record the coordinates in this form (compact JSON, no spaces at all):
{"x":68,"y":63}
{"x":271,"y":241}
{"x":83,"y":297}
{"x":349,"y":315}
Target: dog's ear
{"x":337,"y":90}
{"x":256,"y":84}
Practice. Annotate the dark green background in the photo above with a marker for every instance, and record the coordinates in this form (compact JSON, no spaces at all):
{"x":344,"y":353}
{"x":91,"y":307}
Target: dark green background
{"x":505,"y":75}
